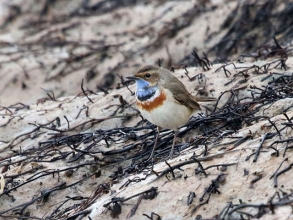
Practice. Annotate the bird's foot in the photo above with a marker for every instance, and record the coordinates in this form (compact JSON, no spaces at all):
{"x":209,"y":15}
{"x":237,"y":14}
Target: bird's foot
{"x":170,"y":157}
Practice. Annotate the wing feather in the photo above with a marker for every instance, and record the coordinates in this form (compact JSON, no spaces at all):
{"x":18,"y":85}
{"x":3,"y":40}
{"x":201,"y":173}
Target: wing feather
{"x":181,"y":94}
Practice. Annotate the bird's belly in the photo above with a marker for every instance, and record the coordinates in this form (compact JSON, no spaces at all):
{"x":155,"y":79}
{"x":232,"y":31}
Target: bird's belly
{"x":170,"y":115}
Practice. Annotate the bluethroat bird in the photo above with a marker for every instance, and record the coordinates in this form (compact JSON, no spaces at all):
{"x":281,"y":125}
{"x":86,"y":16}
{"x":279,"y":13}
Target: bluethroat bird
{"x":163,"y":100}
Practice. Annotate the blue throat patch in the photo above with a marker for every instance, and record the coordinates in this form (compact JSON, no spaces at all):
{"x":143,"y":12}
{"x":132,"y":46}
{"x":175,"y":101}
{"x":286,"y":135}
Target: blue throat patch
{"x":144,"y":91}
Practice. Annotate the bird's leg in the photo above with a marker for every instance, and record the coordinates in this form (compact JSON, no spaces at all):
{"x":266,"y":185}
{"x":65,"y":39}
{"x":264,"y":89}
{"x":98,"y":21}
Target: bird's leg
{"x":172,"y":149}
{"x":155,"y":145}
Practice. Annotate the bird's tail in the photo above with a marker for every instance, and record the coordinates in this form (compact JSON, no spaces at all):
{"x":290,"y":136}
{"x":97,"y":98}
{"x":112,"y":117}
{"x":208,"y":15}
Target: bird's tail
{"x":205,"y":99}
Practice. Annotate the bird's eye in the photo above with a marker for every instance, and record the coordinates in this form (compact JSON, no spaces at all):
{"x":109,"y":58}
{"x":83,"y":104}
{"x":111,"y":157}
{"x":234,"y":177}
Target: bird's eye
{"x":147,"y":75}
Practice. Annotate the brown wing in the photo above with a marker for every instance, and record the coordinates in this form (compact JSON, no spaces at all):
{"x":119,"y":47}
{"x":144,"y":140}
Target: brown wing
{"x":181,"y":94}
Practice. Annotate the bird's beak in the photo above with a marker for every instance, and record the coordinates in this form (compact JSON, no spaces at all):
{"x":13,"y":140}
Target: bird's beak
{"x":132,"y":77}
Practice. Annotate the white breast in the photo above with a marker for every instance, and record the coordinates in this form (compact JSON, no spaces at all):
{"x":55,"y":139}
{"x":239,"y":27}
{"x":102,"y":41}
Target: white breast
{"x":170,"y":115}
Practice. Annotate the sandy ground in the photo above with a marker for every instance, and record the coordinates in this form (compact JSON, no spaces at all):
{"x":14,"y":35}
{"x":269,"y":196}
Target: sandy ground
{"x":57,"y":146}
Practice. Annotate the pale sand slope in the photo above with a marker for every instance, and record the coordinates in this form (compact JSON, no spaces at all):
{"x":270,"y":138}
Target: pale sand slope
{"x":56,"y":51}
{"x":171,"y":201}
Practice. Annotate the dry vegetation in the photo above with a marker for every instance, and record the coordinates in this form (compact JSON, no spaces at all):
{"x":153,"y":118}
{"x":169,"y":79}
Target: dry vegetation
{"x":73,"y":146}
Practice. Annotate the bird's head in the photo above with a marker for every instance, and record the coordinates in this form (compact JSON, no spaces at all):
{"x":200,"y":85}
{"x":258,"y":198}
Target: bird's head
{"x":148,"y":75}
{"x":152,"y":75}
